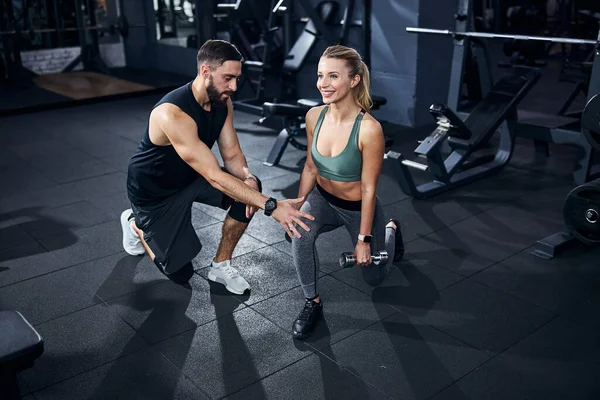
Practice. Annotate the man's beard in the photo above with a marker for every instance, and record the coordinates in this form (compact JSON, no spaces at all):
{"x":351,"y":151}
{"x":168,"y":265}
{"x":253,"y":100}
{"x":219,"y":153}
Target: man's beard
{"x":214,"y":95}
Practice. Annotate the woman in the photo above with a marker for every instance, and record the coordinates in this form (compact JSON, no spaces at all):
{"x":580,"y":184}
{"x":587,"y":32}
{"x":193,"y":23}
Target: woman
{"x":339,"y":180}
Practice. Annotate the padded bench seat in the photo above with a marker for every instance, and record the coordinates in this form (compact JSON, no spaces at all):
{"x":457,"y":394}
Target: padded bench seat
{"x":284,"y":109}
{"x":20,"y":346}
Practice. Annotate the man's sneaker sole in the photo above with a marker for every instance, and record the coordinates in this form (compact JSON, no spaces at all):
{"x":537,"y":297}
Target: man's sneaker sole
{"x":125,"y":230}
{"x":216,"y":279}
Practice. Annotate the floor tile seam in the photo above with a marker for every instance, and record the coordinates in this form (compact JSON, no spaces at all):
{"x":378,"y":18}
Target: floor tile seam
{"x":96,"y":303}
{"x":408,"y":252}
{"x":323,"y":354}
{"x":420,"y":319}
{"x":266,"y":376}
{"x":60,"y":269}
{"x":88,"y":154}
{"x":212,"y":224}
{"x":565,"y":313}
{"x":495,"y":355}
{"x":70,"y":230}
{"x":34,"y":167}
{"x":427,"y":324}
{"x":121,"y":356}
{"x":185,"y":331}
{"x":72,"y":202}
{"x":182,"y":373}
{"x":43,"y":172}
{"x":507,"y":293}
{"x":115,"y":171}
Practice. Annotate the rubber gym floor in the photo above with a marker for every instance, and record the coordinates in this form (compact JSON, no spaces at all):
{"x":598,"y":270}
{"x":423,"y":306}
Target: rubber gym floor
{"x":469,"y":313}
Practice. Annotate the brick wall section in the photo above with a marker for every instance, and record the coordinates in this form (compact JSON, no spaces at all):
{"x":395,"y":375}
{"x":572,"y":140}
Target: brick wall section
{"x":55,"y":60}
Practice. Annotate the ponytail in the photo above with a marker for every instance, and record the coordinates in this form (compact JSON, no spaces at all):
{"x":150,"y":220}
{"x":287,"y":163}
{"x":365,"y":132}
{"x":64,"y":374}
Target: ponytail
{"x":362,"y":93}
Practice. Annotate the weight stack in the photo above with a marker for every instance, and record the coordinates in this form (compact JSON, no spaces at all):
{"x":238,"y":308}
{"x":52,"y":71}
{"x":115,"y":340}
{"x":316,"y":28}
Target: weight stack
{"x":581,"y":212}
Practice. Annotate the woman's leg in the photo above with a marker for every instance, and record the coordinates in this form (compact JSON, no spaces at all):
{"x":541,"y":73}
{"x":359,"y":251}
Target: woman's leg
{"x":306,"y":260}
{"x":304,"y":250}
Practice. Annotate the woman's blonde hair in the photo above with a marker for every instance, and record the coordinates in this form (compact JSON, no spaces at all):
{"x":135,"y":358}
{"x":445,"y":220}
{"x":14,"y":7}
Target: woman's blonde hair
{"x":362,"y":92}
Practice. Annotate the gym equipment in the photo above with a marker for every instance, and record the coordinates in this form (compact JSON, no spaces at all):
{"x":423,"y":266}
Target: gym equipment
{"x":486,"y":35}
{"x":347,"y":259}
{"x":246,"y":23}
{"x":466,"y":138}
{"x":542,"y":128}
{"x":121,"y":27}
{"x":581,"y":211}
{"x":590,"y":121}
{"x":20,"y":346}
{"x":293,"y":63}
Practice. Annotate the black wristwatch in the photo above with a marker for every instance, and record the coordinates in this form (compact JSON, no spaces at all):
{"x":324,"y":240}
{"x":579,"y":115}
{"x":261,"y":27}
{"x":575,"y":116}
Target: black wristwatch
{"x":365,"y":238}
{"x":270,"y":206}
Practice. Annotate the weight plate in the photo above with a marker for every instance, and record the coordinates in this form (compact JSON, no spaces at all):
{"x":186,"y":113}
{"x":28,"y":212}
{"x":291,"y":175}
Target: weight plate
{"x":581,"y":212}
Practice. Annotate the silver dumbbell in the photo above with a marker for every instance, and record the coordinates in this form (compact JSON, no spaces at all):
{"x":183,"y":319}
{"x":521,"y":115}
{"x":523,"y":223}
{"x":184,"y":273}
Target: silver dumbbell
{"x":348,"y":260}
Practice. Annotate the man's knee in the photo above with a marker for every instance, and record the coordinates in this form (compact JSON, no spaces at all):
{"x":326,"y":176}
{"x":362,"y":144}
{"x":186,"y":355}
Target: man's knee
{"x":237,"y":210}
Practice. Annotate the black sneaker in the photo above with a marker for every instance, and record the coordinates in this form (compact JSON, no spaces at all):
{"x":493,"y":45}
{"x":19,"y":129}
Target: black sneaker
{"x":398,"y":242}
{"x":307,"y":319}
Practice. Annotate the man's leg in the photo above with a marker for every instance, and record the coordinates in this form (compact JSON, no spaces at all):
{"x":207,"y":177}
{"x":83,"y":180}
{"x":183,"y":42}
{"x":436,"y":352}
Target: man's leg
{"x":164,"y":231}
{"x":234,"y":226}
{"x":230,"y":236}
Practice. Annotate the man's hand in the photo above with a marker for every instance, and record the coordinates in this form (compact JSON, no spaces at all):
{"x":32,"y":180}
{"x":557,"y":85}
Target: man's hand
{"x":288,"y":216}
{"x":250,"y":210}
{"x":362,"y":252}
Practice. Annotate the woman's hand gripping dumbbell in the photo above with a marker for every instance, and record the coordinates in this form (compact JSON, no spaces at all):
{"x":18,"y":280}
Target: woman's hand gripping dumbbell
{"x":347,"y":259}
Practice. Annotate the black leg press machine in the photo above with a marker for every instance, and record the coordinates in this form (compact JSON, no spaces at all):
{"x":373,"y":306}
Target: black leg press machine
{"x":20,"y":346}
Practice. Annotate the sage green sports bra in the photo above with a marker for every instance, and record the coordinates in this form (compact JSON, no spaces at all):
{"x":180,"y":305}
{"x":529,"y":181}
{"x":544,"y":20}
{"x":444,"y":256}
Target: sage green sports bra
{"x":346,"y":166}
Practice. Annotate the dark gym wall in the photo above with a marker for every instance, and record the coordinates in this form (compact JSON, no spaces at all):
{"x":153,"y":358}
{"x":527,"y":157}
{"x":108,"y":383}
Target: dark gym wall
{"x":393,"y":58}
{"x":434,"y":57}
{"x":139,"y":45}
{"x":143,"y":51}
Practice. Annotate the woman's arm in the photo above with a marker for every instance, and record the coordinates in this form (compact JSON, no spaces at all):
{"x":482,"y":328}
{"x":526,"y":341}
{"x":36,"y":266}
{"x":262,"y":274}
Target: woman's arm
{"x":372,"y":145}
{"x":309,"y":173}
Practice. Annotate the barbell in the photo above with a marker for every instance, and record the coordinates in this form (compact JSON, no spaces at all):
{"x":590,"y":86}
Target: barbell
{"x":121,"y":27}
{"x":500,"y":36}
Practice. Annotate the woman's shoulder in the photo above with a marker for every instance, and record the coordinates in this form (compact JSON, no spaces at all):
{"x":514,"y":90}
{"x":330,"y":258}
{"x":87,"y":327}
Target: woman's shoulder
{"x":370,"y":125}
{"x":313,"y":114}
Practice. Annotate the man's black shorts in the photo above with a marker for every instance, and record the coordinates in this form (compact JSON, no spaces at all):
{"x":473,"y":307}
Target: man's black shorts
{"x":167,"y":225}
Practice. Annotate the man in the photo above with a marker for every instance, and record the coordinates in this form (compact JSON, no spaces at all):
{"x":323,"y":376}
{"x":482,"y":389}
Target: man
{"x":174,"y":166}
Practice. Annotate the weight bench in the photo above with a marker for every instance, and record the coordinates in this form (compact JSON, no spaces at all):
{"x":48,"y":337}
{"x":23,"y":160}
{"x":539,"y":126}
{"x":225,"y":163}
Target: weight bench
{"x":462,"y":139}
{"x":20,"y":346}
{"x":293,"y":116}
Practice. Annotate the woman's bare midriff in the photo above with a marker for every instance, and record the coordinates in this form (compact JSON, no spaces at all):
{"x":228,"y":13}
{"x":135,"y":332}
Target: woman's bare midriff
{"x":343,"y":190}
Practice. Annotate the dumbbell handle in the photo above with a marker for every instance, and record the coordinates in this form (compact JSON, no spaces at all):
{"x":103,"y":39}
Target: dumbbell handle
{"x":348,"y":260}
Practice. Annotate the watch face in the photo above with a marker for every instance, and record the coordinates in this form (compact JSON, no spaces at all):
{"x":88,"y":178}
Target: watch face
{"x":270,"y":204}
{"x":368,"y":239}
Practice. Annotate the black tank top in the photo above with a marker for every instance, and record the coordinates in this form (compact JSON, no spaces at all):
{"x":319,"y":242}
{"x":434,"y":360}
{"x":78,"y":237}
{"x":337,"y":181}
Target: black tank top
{"x":156,"y":172}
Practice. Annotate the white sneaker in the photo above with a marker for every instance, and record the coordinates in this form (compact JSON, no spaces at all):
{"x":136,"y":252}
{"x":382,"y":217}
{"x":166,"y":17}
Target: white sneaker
{"x":131,"y":242}
{"x":228,"y":276}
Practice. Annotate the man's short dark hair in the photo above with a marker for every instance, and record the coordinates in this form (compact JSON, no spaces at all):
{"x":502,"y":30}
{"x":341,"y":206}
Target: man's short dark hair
{"x":215,"y":52}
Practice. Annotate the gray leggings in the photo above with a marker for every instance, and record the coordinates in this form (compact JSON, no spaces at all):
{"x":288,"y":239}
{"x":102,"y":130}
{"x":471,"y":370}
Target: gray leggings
{"x":331,"y":213}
